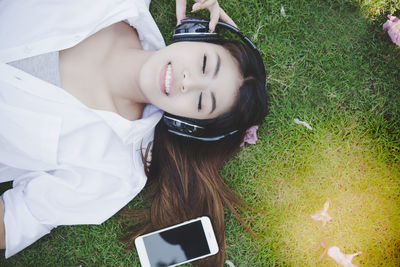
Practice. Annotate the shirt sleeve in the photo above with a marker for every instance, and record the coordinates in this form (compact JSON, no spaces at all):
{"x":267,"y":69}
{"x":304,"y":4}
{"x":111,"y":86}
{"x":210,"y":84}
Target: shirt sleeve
{"x":41,"y":201}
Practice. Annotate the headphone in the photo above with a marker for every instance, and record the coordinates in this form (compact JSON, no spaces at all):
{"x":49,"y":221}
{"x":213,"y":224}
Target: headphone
{"x":196,"y":29}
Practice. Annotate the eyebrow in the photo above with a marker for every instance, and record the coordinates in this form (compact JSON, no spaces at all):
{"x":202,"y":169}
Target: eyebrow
{"x":215,"y":74}
{"x":218,"y":66}
{"x":213,"y":102}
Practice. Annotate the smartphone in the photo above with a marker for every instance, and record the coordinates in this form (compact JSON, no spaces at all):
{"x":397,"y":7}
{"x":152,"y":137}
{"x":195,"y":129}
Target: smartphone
{"x":177,"y":244}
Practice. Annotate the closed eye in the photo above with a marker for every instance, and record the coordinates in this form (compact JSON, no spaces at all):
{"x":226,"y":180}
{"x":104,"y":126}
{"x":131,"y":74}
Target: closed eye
{"x":204,"y":62}
{"x":199,"y":105}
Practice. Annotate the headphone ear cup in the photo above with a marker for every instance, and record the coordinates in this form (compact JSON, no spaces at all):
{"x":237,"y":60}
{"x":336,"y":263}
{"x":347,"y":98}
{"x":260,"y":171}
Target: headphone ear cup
{"x":194,"y":29}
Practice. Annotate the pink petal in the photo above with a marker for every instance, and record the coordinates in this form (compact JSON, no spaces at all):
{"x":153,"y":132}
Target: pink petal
{"x":251,"y":135}
{"x":386,"y":25}
{"x":322,"y":215}
{"x":393,"y":27}
{"x":339,"y":257}
{"x":393,"y":18}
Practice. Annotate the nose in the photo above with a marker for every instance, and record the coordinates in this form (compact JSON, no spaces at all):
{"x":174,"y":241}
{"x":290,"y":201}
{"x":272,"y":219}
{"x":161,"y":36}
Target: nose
{"x":192,"y":82}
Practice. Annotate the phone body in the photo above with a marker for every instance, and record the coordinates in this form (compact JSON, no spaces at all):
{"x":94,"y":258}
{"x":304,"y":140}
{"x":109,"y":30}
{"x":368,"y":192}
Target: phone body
{"x":177,"y":244}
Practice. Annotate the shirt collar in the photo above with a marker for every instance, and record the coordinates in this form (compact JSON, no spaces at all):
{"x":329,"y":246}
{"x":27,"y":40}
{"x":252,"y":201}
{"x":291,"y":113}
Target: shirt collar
{"x":132,"y":132}
{"x":128,"y":131}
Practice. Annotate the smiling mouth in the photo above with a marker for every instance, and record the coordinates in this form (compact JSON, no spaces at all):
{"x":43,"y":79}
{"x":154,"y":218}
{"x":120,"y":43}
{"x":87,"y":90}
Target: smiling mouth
{"x":168,"y":79}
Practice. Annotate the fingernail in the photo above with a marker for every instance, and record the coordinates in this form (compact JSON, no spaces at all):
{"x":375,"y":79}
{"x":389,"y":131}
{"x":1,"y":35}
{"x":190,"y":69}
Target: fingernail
{"x":195,"y":7}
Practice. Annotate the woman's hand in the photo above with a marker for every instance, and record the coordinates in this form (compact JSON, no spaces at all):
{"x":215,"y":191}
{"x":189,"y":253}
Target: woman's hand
{"x":216,"y":12}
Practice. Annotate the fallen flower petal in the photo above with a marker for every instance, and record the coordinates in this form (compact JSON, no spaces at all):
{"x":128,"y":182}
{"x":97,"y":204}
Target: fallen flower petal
{"x":322,"y":215}
{"x":322,"y":243}
{"x":303,"y":123}
{"x":229,"y":263}
{"x":283,"y":13}
{"x":392,"y":25}
{"x":251,"y":135}
{"x":342,"y":259}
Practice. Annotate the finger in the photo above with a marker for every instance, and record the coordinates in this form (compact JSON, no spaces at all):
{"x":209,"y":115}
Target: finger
{"x":180,"y":10}
{"x":225,"y":18}
{"x":206,"y":2}
{"x":179,"y":18}
{"x":214,"y":17}
{"x":203,"y":5}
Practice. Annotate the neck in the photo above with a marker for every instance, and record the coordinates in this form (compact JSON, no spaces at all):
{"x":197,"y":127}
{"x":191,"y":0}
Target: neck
{"x":122,"y":75}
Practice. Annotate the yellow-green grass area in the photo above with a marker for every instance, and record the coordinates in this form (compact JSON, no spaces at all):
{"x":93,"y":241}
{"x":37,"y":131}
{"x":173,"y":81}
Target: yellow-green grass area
{"x":373,"y":8}
{"x":346,"y":166}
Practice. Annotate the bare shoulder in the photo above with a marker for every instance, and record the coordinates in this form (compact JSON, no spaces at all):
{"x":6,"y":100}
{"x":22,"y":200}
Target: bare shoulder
{"x":82,"y":66}
{"x":97,"y":46}
{"x":121,"y":34}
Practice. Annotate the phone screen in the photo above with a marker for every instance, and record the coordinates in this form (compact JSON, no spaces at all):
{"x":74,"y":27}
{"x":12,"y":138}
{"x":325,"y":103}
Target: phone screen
{"x":176,"y":245}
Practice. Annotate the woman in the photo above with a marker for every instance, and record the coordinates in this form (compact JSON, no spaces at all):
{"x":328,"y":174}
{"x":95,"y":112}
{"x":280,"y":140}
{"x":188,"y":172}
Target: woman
{"x":73,"y":141}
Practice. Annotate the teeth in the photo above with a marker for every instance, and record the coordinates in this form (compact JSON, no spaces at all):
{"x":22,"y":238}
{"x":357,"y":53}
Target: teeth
{"x":168,"y":78}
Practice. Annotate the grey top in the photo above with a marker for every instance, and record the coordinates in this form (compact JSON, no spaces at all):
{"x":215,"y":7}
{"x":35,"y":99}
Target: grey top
{"x":44,"y":66}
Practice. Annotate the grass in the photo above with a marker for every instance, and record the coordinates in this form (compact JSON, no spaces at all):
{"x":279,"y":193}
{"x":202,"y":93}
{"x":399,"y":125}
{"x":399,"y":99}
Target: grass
{"x":328,"y":64}
{"x":375,"y":8}
{"x":327,"y":163}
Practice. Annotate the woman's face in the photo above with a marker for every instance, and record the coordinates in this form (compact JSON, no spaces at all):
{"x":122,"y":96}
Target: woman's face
{"x":191,"y":79}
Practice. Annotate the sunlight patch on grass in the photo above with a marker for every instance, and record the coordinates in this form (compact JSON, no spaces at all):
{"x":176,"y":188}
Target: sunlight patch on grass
{"x":373,"y":8}
{"x":364,"y":193}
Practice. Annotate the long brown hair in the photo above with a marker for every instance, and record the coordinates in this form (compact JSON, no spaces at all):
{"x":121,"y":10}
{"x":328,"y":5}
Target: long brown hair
{"x":183,"y":174}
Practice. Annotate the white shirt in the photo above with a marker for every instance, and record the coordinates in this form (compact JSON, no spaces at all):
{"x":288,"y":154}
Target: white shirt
{"x":69,"y":164}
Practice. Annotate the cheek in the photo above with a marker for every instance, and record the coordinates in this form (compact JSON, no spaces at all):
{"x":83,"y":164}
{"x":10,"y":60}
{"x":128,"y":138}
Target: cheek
{"x":181,"y":106}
